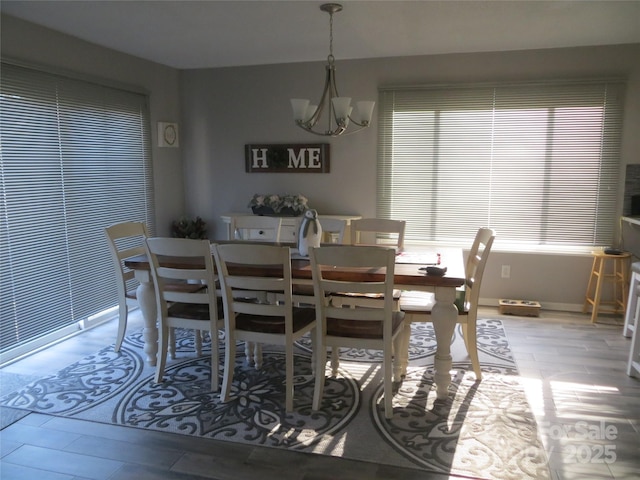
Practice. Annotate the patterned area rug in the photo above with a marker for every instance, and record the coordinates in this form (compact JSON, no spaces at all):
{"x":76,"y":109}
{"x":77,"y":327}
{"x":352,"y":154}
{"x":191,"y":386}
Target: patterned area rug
{"x":484,"y":430}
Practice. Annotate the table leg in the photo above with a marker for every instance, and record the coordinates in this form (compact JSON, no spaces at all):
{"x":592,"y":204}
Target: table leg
{"x":147,"y":301}
{"x":444,"y":316}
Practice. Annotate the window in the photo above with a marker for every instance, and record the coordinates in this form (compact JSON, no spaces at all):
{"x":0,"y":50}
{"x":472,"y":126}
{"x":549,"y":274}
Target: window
{"x":74,"y":158}
{"x":537,"y":162}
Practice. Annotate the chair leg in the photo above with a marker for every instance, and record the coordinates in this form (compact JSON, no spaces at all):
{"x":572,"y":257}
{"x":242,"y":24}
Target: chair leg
{"x":401,"y":352}
{"x":633,"y":365}
{"x":172,"y":343}
{"x":198,"y":343}
{"x":632,"y":304}
{"x":229,"y":366}
{"x":320,"y":353}
{"x":215,"y":360}
{"x":313,"y":349}
{"x":248,"y":352}
{"x":163,"y":333}
{"x":122,"y":325}
{"x":335,"y":360}
{"x":469,"y":333}
{"x":257,"y":355}
{"x":388,"y":384}
{"x":288,"y":382}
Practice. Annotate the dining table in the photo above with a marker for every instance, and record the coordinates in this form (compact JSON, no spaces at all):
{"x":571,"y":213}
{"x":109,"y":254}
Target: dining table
{"x":410,"y":274}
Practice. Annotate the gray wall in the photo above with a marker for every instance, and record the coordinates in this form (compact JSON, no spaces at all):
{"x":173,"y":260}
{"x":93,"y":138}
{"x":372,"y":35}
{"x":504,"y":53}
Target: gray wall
{"x":224,"y":109}
{"x":220,"y":110}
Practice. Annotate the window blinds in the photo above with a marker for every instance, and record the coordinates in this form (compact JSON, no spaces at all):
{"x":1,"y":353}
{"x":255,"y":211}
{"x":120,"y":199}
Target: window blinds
{"x":537,"y":162}
{"x":74,"y":157}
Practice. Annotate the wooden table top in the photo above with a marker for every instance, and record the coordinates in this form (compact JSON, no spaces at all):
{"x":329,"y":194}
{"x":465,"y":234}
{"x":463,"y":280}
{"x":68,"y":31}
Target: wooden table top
{"x":406,"y":274}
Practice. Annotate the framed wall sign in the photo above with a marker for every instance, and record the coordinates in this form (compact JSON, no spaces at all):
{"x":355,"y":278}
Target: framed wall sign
{"x":287,"y":158}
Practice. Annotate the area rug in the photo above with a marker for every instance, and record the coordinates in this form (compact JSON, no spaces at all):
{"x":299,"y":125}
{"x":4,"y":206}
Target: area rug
{"x":484,"y":430}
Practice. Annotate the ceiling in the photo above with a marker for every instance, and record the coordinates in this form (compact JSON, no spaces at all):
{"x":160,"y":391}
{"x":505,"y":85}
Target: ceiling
{"x":200,"y":34}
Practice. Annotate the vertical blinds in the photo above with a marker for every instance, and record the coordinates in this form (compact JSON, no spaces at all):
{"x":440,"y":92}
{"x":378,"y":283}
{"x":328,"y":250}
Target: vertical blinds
{"x":74,"y":158}
{"x":537,"y":162}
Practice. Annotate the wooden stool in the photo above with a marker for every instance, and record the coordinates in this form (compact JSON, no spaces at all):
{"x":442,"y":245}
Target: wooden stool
{"x":600,"y":276}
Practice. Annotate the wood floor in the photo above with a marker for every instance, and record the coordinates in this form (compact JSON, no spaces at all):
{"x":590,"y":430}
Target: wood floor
{"x":587,"y":408}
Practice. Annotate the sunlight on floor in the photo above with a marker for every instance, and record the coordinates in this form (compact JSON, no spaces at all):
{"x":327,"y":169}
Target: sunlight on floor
{"x":561,"y":394}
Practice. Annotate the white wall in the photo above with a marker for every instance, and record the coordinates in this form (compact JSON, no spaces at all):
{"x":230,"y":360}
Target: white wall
{"x":30,"y":43}
{"x":224,"y":109}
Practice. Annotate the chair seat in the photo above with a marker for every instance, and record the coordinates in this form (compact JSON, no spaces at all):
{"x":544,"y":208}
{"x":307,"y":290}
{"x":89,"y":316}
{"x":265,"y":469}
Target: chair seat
{"x":194,"y":311}
{"x":361,"y":328}
{"x":257,"y":323}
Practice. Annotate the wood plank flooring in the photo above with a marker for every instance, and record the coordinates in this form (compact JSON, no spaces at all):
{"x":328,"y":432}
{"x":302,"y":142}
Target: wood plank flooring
{"x":587,"y":408}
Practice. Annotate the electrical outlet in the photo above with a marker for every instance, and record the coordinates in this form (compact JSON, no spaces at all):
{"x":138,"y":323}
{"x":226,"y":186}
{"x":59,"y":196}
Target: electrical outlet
{"x":506,"y":271}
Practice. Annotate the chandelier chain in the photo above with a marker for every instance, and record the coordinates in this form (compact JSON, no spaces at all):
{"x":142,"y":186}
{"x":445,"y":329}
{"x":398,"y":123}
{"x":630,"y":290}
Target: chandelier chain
{"x":330,"y":58}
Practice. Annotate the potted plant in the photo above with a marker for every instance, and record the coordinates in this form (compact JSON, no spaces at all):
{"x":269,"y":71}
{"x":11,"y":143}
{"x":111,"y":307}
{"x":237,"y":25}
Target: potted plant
{"x":279,"y":205}
{"x":187,"y":227}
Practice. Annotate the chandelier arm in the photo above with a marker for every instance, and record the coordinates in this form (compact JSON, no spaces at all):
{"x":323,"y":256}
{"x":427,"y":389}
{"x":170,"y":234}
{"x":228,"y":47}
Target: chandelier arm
{"x":318,"y":113}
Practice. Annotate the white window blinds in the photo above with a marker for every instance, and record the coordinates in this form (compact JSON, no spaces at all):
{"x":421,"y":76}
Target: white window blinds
{"x":537,"y":162}
{"x":74,"y":158}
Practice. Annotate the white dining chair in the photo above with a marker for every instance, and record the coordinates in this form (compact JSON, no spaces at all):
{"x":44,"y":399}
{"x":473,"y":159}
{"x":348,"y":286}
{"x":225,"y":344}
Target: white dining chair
{"x":380,"y":232}
{"x":279,"y":323}
{"x":199,"y":310}
{"x":333,"y":229}
{"x":632,"y":321}
{"x":379,"y":326}
{"x":125,"y":239}
{"x":417,"y":306}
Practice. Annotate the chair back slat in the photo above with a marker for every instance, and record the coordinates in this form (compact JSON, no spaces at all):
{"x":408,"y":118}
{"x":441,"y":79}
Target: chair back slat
{"x":378,"y":231}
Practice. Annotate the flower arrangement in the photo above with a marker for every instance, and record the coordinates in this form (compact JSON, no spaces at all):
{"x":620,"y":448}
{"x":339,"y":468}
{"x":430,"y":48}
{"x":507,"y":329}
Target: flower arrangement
{"x":278,"y":204}
{"x":189,"y":228}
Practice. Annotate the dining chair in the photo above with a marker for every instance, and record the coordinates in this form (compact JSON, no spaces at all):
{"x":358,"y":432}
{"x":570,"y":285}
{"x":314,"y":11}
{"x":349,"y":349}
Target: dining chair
{"x":200,"y":310}
{"x":333,"y":229}
{"x":262,"y":268}
{"x":378,"y":231}
{"x":632,"y":321}
{"x":417,"y":306}
{"x":379,"y":327}
{"x":125,"y":239}
{"x":256,"y":228}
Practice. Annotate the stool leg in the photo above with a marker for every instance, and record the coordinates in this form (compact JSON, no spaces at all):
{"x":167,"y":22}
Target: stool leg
{"x":598,"y":292}
{"x":588,"y":299}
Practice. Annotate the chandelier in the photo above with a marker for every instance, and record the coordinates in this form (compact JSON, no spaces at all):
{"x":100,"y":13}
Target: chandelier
{"x":339,"y":108}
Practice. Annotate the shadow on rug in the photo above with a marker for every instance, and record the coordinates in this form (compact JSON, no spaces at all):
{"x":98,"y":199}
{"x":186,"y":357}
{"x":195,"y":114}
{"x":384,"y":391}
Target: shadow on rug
{"x":485,"y":429}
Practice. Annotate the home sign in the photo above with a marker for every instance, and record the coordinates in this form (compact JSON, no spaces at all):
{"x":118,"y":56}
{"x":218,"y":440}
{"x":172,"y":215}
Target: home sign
{"x":287,"y":158}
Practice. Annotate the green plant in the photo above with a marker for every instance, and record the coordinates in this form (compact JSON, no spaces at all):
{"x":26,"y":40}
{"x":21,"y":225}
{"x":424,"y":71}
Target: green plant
{"x":189,"y":228}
